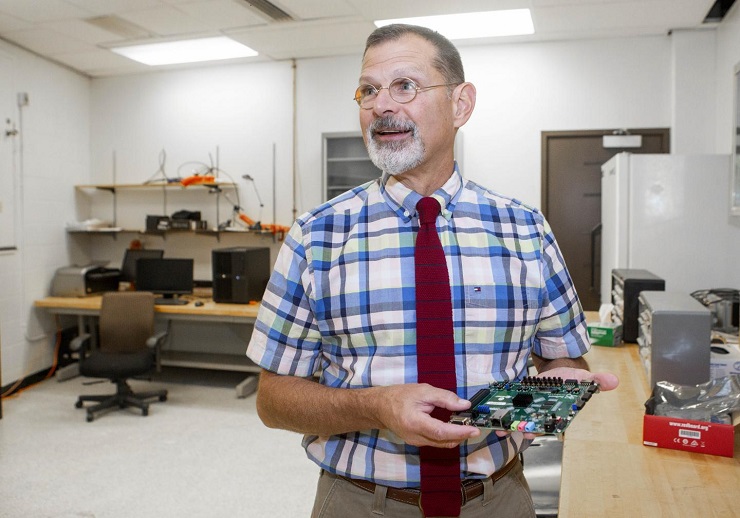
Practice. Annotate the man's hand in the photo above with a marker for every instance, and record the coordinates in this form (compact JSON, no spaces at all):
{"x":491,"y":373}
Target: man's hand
{"x":406,"y":409}
{"x":606,"y":381}
{"x":304,"y":406}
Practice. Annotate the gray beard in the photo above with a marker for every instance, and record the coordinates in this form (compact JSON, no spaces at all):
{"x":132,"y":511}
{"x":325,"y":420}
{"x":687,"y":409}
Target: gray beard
{"x":394,"y":157}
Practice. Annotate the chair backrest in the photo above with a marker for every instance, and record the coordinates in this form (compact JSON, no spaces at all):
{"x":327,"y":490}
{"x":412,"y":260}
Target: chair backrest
{"x":126,"y":321}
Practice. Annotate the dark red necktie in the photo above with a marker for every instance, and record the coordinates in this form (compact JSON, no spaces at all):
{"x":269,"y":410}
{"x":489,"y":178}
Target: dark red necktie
{"x":435,"y":349}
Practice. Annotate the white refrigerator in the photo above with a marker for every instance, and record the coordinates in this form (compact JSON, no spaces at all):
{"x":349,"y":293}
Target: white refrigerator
{"x":669,"y":214}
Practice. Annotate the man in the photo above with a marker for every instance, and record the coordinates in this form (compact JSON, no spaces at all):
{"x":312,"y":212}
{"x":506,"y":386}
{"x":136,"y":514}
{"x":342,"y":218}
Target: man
{"x":342,"y":301}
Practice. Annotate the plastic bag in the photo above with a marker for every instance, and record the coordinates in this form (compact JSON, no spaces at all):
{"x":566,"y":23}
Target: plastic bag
{"x":712,"y":402}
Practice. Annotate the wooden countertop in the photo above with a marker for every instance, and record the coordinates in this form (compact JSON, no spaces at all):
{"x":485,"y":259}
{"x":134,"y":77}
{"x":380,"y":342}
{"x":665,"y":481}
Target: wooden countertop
{"x":607,"y":471}
{"x":209,"y":308}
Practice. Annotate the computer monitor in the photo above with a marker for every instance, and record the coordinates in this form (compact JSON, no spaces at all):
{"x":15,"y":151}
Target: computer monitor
{"x":169,"y":278}
{"x":130,"y":258}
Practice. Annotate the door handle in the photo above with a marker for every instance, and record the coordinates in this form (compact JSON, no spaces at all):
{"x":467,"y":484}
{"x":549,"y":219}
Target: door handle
{"x":595,"y":233}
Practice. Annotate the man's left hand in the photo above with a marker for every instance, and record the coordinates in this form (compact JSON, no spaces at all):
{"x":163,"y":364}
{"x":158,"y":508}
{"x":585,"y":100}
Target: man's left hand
{"x":606,"y":381}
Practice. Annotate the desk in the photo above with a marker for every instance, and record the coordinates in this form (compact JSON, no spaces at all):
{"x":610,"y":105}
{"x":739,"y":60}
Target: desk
{"x":608,"y":472}
{"x":210,"y":311}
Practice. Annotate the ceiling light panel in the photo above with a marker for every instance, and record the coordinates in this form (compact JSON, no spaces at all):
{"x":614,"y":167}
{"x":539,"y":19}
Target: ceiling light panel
{"x":488,"y":24}
{"x":186,"y":51}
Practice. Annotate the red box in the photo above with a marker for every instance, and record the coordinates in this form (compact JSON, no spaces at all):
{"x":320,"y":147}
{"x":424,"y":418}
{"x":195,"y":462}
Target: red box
{"x":687,"y":435}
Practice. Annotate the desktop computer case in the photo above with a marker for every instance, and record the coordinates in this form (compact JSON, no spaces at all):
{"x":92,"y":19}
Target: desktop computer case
{"x":627,"y":284}
{"x":675,"y":338}
{"x":240,"y":274}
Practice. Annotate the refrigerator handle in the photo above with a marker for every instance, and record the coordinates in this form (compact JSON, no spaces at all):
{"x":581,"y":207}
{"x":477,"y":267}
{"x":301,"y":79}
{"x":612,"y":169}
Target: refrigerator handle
{"x":595,"y":234}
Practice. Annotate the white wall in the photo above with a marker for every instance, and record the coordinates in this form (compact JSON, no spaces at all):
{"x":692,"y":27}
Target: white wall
{"x":522,"y":90}
{"x":693,"y":83}
{"x":239,"y":110}
{"x":526,"y":89}
{"x":242,"y":110}
{"x":727,"y":57}
{"x":56,"y":139}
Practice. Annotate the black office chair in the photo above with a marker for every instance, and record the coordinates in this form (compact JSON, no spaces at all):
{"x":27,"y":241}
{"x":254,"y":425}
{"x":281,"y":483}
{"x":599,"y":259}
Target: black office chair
{"x":127,"y":348}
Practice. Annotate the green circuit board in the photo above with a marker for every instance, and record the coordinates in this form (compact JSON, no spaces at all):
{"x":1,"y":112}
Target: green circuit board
{"x":536,"y":405}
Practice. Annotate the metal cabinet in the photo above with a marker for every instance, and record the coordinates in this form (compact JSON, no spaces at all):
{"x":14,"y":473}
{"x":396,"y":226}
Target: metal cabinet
{"x":346,"y":163}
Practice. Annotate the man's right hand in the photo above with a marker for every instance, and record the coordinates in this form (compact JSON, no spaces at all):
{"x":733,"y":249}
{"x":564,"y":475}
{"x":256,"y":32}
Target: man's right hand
{"x":304,"y":406}
{"x":406,"y":409}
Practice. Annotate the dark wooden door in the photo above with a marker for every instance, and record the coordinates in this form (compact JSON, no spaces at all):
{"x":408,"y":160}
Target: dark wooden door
{"x":571,"y":197}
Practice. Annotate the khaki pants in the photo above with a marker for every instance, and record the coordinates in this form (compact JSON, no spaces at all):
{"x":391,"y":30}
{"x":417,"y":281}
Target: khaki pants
{"x":509,"y":497}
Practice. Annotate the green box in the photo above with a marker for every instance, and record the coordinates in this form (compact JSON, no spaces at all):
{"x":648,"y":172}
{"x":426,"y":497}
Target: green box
{"x":605,"y":333}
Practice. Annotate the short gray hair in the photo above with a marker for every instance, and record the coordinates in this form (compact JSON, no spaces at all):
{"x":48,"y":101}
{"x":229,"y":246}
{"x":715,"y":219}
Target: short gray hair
{"x":447,"y":62}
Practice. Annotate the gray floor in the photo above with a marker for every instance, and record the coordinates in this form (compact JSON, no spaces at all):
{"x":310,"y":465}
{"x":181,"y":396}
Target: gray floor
{"x":202,"y":453}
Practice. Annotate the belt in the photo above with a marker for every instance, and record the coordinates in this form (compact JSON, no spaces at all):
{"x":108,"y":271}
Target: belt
{"x":470,"y":487}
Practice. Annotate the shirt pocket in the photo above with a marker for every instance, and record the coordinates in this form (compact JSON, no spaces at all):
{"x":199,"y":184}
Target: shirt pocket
{"x":499,"y":323}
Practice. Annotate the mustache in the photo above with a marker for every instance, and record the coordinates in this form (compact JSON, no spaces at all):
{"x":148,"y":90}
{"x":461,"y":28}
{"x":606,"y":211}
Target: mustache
{"x":389,"y":123}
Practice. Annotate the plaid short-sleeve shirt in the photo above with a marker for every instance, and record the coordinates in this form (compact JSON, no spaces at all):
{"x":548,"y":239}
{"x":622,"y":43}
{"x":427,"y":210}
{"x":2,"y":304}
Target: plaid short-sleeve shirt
{"x":342,"y":300}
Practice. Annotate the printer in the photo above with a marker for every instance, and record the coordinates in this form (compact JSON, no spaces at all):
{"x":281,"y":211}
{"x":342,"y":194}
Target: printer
{"x":78,"y":281}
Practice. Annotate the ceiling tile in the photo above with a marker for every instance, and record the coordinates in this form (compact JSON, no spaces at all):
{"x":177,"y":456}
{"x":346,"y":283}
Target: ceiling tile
{"x":165,"y":21}
{"x":11,"y":23}
{"x":98,"y":62}
{"x":329,"y":27}
{"x":655,"y":16}
{"x":47,"y":42}
{"x":81,"y":30}
{"x":294,"y":40}
{"x":42,"y":10}
{"x":316,"y":9}
{"x":105,"y":7}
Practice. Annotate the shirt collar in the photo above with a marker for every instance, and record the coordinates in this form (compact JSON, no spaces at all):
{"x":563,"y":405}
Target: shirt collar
{"x":403,"y":200}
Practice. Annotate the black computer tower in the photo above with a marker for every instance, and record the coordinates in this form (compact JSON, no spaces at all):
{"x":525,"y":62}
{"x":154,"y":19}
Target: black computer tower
{"x":240,"y":274}
{"x":627,"y":284}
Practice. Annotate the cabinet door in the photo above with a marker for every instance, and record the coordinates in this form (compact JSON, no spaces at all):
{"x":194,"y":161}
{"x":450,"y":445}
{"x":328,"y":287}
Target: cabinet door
{"x":346,"y":163}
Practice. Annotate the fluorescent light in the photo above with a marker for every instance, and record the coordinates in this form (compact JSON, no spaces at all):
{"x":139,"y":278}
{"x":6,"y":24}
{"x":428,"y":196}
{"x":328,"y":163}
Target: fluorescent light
{"x":511,"y":22}
{"x":186,"y":51}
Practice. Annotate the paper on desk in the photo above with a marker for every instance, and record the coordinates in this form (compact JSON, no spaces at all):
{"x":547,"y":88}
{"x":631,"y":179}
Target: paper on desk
{"x":605,"y":313}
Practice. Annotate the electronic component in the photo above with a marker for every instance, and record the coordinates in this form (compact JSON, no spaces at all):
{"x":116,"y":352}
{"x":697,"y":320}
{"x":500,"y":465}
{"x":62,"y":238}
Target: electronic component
{"x":536,"y":405}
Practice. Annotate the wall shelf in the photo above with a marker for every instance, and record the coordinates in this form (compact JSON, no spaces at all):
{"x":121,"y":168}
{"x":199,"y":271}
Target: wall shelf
{"x":165,"y":187}
{"x":114,"y":232}
{"x":157,"y":185}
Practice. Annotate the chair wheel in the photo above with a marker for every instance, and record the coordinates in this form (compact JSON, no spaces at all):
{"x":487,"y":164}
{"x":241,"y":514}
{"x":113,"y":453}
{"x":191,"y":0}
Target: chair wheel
{"x":145,"y":411}
{"x":90,"y":418}
{"x":163,"y":398}
{"x":78,"y":404}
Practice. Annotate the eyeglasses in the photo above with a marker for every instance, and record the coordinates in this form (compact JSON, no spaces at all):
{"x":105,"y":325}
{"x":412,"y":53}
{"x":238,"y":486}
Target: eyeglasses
{"x":402,"y":90}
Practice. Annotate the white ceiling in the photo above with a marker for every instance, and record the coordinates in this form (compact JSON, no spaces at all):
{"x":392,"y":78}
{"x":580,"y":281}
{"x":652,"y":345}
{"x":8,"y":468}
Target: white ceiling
{"x":77,"y":33}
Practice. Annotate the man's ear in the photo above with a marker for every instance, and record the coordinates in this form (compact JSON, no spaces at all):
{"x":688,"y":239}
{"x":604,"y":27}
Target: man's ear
{"x":463,"y":97}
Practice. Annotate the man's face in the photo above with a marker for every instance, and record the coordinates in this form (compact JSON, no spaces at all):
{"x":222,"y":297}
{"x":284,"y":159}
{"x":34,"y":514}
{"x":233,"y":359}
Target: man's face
{"x":401,"y":137}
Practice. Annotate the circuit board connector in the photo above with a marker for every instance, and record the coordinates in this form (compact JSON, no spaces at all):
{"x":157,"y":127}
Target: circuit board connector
{"x":537,"y":405}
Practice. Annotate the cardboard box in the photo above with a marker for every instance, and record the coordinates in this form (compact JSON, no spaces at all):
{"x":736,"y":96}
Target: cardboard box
{"x":605,"y":333}
{"x":687,"y":435}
